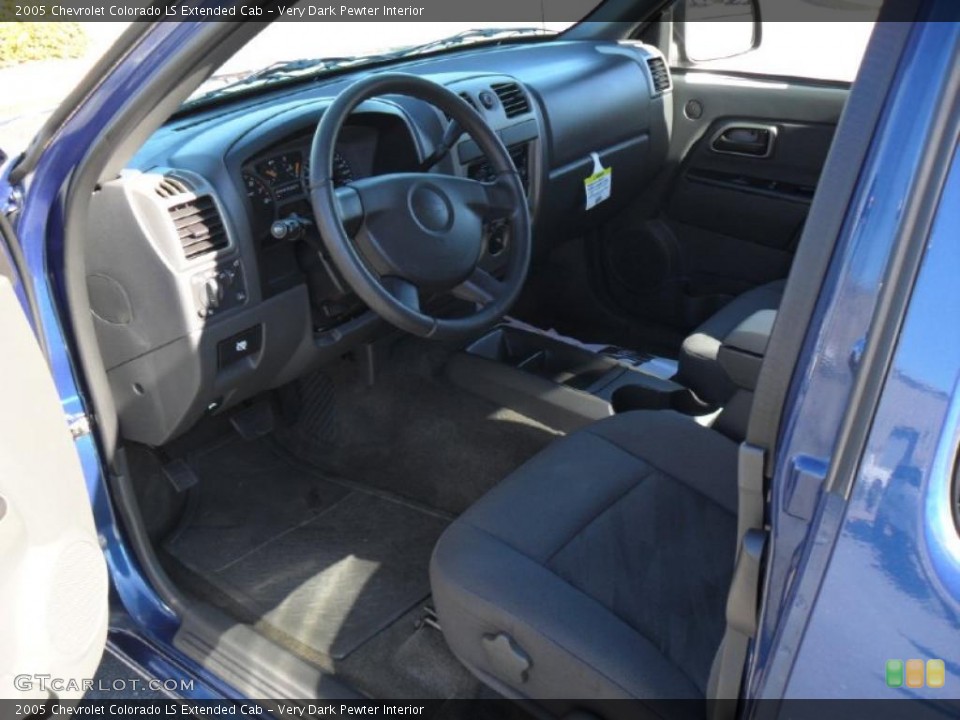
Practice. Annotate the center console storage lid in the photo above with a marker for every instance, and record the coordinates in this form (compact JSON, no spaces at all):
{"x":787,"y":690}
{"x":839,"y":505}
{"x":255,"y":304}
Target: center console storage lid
{"x":753,"y":334}
{"x":742,"y":351}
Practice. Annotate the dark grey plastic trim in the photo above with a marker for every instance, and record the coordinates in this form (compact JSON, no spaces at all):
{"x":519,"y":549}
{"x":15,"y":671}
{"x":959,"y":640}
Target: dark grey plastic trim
{"x":556,"y":406}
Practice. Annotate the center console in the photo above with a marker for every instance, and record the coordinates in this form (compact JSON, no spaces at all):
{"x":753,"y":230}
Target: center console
{"x":566,"y":384}
{"x":741,"y":357}
{"x":560,"y":382}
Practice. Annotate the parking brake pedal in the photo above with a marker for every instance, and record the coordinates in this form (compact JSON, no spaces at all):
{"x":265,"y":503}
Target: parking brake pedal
{"x":253,"y":421}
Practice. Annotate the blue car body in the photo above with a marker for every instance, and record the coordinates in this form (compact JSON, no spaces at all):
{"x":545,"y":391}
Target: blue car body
{"x":860,"y":572}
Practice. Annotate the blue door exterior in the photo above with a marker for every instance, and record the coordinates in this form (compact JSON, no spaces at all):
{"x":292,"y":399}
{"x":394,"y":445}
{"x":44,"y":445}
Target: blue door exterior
{"x":891,"y":591}
{"x":866,"y":564}
{"x":144,"y":628}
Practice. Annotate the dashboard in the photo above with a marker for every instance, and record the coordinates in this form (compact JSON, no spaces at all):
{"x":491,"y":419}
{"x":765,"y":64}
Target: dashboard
{"x":199,"y":306}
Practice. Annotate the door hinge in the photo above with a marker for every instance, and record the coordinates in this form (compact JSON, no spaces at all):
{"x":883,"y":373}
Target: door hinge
{"x":11,"y":195}
{"x":79,"y":425}
{"x":11,"y":204}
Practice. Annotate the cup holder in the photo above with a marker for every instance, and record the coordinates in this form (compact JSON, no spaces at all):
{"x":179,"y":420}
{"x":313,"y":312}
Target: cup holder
{"x":645,"y":392}
{"x":543,"y":356}
{"x":640,"y":397}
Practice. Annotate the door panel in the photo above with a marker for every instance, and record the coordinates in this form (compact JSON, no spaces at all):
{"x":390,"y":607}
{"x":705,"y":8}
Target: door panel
{"x":760,"y":200}
{"x":53,"y":580}
{"x":729,"y":96}
{"x":745,"y":159}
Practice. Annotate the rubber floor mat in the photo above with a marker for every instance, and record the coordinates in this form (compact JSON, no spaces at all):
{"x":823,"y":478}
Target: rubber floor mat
{"x":327,"y":566}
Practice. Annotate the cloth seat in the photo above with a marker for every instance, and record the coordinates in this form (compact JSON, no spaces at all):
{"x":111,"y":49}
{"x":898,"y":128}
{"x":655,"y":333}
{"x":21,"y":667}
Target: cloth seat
{"x":698,"y":368}
{"x":600,"y":568}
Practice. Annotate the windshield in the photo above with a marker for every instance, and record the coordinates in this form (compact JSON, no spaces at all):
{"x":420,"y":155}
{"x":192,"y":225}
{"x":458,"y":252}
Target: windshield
{"x":290,"y":49}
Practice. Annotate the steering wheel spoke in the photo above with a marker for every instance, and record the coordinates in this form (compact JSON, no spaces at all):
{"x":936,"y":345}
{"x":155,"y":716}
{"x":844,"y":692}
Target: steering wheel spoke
{"x":481,"y":288}
{"x":349,"y":209}
{"x":404,"y":291}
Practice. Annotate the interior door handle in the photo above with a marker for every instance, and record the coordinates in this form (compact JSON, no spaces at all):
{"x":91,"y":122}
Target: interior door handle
{"x":745,"y":139}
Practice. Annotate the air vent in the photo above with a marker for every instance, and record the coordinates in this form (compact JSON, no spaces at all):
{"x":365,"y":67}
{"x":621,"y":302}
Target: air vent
{"x":660,"y":74}
{"x":171,"y":186}
{"x":513,"y":98}
{"x":468,"y":100}
{"x":199,"y":227}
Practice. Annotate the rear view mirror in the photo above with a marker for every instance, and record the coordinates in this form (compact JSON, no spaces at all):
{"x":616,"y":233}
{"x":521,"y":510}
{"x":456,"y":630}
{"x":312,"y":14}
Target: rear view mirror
{"x":716,"y":29}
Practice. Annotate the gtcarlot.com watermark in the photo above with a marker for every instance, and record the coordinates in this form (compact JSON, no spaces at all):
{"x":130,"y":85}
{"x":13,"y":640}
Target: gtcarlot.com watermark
{"x":48,"y":683}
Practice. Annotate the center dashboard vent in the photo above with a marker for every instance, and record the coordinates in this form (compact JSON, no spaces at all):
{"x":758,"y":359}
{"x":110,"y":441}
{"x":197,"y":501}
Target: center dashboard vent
{"x":199,"y":227}
{"x":512,"y":97}
{"x":659,"y":73}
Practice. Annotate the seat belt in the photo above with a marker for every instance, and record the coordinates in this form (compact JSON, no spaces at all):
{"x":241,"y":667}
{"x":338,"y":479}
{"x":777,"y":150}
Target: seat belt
{"x":815,"y":250}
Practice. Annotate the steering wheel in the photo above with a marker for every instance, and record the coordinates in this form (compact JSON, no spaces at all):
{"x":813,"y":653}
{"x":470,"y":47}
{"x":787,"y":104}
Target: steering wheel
{"x":393,"y":236}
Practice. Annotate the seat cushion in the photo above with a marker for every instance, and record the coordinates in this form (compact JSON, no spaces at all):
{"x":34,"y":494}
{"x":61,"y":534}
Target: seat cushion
{"x":605,"y":560}
{"x":698,"y":367}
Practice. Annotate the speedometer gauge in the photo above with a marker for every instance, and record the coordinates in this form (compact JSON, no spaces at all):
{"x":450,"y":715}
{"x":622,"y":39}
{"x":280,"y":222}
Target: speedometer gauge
{"x":280,"y":170}
{"x":257,"y":191}
{"x":342,"y":172}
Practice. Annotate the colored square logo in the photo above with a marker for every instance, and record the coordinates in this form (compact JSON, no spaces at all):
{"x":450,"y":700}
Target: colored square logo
{"x":914,"y":673}
{"x":936,"y":673}
{"x":894,"y":673}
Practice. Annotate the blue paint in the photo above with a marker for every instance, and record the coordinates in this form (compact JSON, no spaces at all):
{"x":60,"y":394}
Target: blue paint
{"x":883,"y":592}
{"x":40,"y":230}
{"x":892,"y":589}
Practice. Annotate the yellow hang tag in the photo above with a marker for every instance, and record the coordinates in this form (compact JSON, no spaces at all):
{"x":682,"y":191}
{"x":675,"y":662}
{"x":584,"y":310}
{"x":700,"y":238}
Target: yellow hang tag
{"x":599,"y":185}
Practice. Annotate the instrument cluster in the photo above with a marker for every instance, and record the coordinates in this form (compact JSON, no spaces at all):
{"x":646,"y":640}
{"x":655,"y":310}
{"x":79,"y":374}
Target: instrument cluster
{"x":277,"y":180}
